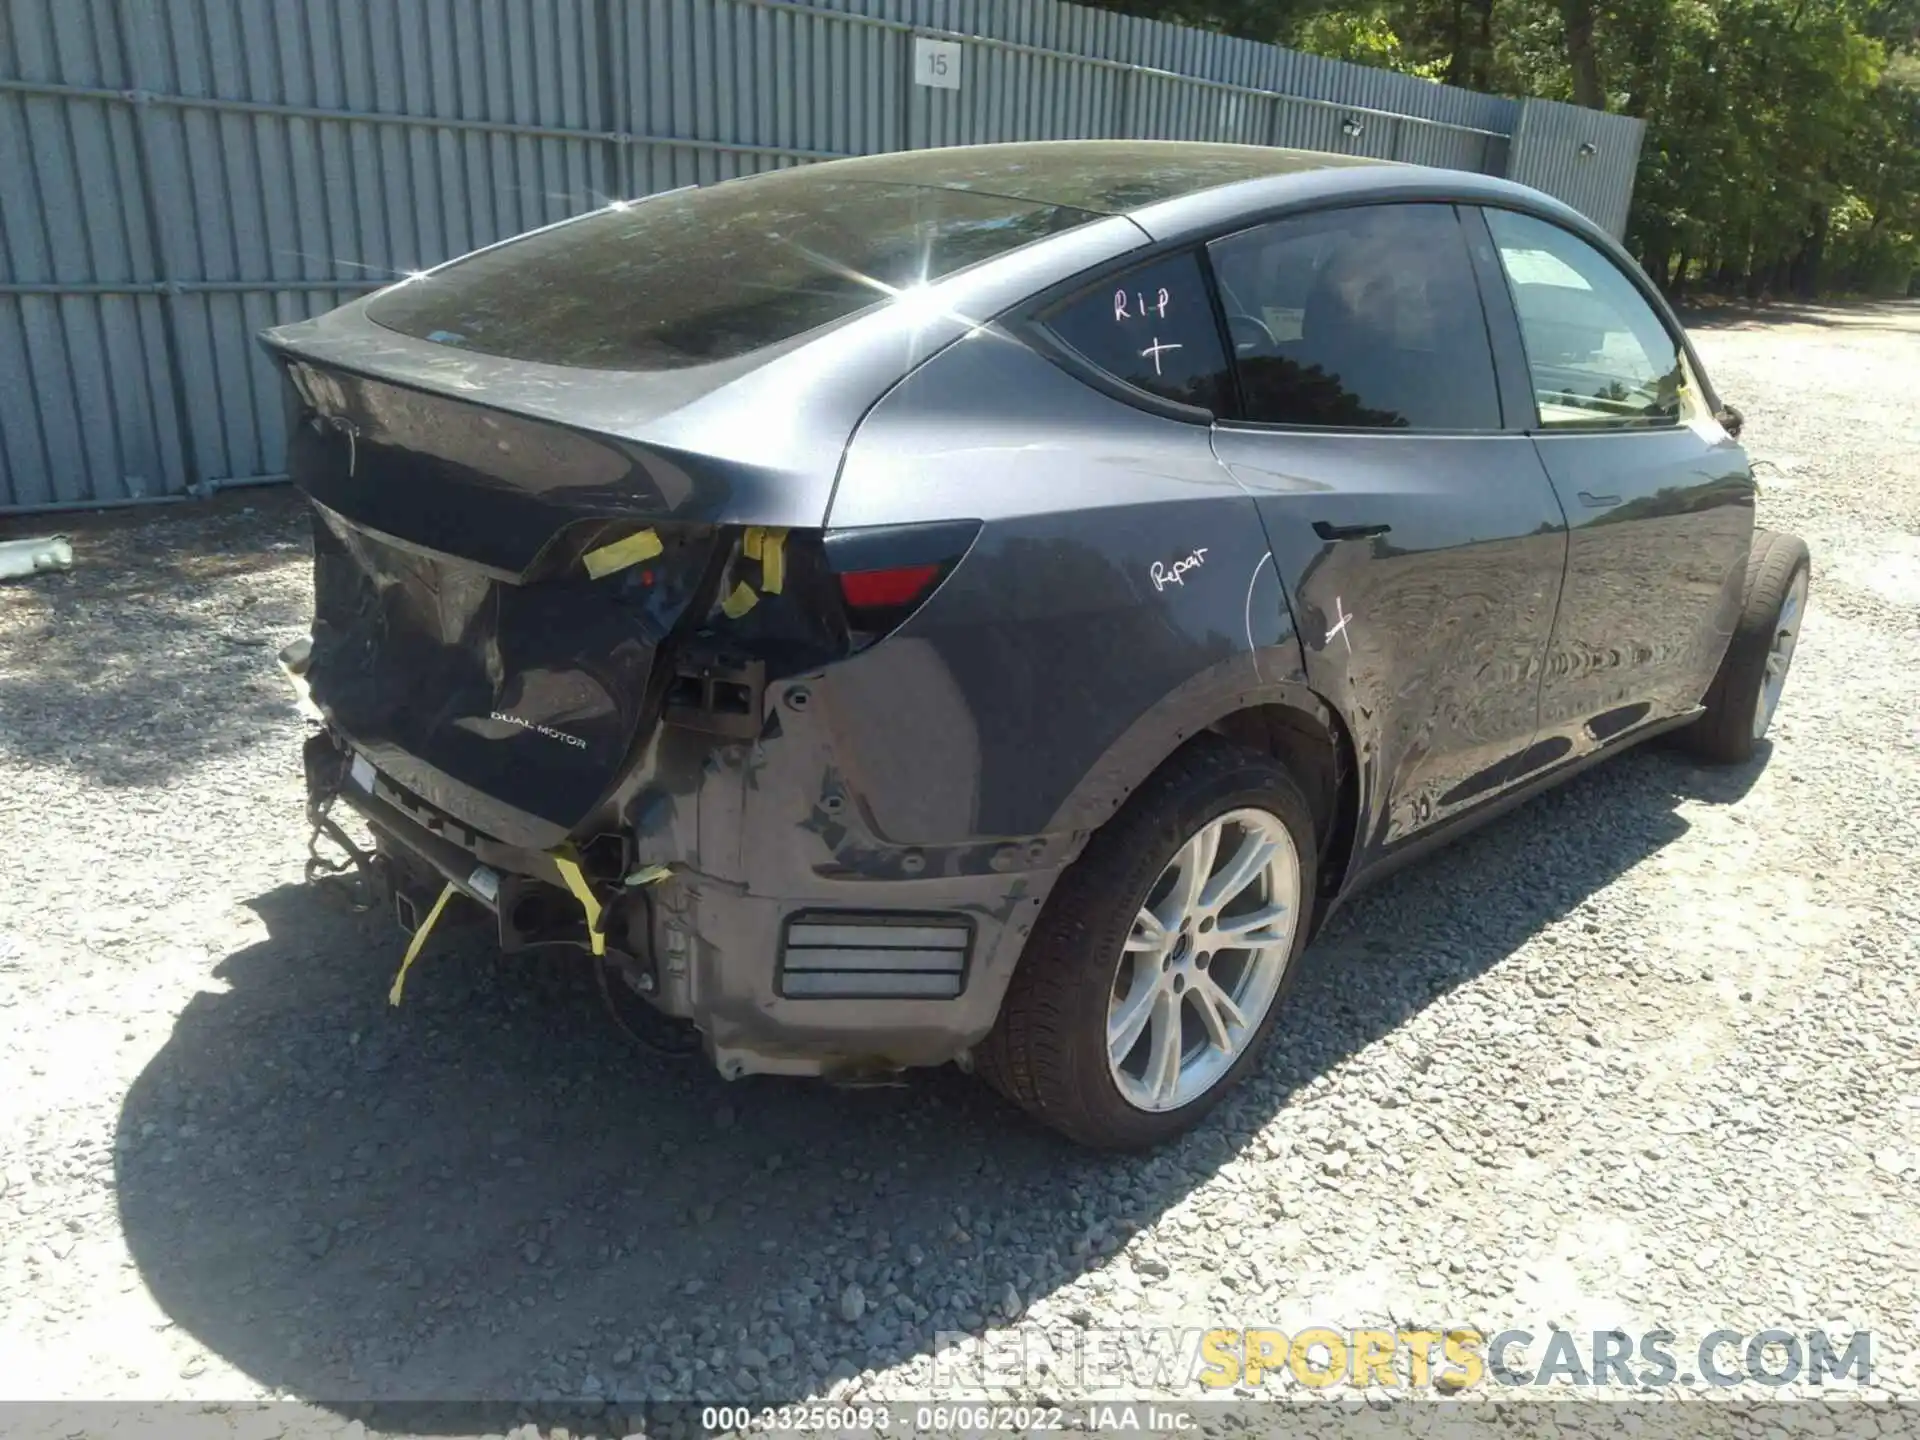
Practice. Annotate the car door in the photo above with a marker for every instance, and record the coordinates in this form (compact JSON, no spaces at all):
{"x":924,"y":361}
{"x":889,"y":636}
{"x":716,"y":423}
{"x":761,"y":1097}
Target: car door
{"x":1659,"y":498}
{"x":1415,"y":532}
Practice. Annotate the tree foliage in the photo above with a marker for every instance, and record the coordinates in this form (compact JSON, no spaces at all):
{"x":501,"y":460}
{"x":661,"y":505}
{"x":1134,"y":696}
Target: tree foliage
{"x":1782,"y":151}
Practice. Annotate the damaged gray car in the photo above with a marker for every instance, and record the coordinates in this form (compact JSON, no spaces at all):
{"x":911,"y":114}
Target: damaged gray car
{"x":991,"y":604}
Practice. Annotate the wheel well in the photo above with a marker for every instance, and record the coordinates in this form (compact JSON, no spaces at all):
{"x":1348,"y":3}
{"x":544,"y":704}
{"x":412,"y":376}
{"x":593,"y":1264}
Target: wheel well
{"x":1317,"y":749}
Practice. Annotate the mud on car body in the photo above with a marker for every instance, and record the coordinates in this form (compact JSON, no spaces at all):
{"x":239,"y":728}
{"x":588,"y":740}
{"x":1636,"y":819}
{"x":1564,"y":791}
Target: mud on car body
{"x":990,"y":604}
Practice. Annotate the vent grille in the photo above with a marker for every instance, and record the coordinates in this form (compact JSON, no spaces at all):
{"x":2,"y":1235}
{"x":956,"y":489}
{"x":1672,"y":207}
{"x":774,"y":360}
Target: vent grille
{"x":849,"y":955}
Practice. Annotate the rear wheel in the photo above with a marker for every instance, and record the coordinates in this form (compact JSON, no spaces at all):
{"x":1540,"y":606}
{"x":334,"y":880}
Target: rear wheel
{"x":1741,"y":702}
{"x":1153,"y":977}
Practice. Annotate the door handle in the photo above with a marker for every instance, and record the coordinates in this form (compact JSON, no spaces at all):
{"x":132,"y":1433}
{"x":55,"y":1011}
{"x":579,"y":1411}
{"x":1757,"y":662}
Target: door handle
{"x":1598,"y":502}
{"x":1348,"y":532}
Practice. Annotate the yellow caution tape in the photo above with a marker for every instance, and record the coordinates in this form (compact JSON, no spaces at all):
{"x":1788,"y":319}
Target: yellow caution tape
{"x":641,"y":545}
{"x":419,"y":939}
{"x":576,"y":882}
{"x":767,"y":544}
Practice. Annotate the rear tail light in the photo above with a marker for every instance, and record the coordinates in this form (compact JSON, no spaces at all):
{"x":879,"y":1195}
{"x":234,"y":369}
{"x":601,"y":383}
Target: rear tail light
{"x":885,"y":589}
{"x":887,"y":571}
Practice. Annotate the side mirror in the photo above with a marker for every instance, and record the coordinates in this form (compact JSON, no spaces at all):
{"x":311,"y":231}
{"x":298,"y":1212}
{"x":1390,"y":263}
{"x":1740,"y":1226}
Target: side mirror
{"x":1731,"y":420}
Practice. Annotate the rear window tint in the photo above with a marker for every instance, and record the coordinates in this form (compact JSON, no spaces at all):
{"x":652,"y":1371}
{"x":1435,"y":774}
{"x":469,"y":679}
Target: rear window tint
{"x":1367,"y":317}
{"x":1152,"y":327}
{"x":700,"y":276}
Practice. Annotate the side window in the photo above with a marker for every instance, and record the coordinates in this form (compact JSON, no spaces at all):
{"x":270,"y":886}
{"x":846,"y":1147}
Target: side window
{"x":1363,"y":317}
{"x":1153,"y":327}
{"x":1598,"y":353}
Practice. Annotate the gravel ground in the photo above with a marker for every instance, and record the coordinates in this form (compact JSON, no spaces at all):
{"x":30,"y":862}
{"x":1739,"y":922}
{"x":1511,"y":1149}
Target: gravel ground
{"x":1639,"y":1055}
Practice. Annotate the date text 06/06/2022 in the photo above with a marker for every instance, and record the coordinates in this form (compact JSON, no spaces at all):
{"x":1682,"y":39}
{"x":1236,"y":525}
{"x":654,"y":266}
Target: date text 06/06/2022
{"x":1103,"y":1416}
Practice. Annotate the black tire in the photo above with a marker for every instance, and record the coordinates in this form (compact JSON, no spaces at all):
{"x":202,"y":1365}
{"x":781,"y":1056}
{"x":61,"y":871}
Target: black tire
{"x":1724,"y":735}
{"x":1047,"y":1051}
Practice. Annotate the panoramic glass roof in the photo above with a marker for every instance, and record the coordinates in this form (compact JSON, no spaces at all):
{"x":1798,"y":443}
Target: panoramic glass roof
{"x":1104,"y":176}
{"x":699,"y":276}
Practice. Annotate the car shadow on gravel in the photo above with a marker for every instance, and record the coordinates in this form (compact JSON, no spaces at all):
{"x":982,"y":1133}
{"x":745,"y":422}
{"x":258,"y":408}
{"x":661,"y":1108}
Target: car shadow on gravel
{"x":1892,"y":316}
{"x":489,"y":1193}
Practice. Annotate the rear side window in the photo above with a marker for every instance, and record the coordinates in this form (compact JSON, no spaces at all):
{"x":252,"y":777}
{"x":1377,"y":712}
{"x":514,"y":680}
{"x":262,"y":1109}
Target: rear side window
{"x":1152,"y":327}
{"x":700,"y":276}
{"x":1597,"y":352}
{"x":1368,"y":317}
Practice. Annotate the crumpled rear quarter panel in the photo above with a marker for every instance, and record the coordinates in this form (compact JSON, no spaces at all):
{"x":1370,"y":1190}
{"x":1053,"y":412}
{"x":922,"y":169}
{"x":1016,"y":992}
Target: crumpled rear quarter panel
{"x":962,"y":762}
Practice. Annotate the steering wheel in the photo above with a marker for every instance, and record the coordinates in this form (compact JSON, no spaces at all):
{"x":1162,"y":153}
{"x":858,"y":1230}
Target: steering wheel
{"x":1248,"y":334}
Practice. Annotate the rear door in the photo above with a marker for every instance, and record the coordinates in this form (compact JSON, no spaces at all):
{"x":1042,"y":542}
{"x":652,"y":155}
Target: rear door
{"x":1658,"y":497}
{"x":1415,"y":532}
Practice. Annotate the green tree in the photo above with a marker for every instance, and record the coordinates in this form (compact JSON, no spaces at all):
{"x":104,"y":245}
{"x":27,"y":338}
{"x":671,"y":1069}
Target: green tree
{"x":1782,"y":150}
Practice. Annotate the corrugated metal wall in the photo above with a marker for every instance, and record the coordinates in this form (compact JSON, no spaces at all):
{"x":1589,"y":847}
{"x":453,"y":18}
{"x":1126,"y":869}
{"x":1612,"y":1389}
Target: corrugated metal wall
{"x":175,"y":175}
{"x":1586,"y":158}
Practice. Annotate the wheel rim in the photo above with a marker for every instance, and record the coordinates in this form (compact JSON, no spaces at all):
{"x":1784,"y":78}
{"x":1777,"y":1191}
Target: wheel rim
{"x":1786,"y":633}
{"x":1203,"y":961}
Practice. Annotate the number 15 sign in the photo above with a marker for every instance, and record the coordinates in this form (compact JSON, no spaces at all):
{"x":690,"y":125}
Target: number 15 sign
{"x":936,"y":63}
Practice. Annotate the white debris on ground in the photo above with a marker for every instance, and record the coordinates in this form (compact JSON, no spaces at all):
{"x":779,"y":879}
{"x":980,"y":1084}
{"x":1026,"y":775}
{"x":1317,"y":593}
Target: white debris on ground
{"x":35,"y":556}
{"x":1642,"y":1054}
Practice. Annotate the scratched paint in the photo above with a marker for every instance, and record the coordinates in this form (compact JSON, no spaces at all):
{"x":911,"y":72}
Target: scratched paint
{"x":1340,"y":629}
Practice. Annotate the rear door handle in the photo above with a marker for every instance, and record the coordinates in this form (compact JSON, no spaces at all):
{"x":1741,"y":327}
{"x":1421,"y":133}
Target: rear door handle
{"x":1348,"y":532}
{"x":1598,"y":502}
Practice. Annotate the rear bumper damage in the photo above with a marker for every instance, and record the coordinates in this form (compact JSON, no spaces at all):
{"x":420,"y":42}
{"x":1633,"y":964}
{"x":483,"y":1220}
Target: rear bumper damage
{"x":623,"y":692}
{"x":746,"y":893}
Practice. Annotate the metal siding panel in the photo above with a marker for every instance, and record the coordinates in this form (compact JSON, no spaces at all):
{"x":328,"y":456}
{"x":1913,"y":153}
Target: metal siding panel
{"x":31,"y":449}
{"x":426,"y":157}
{"x":690,"y":164}
{"x":1546,"y":154}
{"x":1308,"y":127}
{"x":62,"y":396}
{"x":475,"y":150}
{"x":394,"y":218}
{"x":698,"y":78}
{"x":257,"y":198}
{"x":517,"y":104}
{"x":556,"y":157}
{"x":161,"y":398}
{"x":24,"y":463}
{"x":154,"y":137}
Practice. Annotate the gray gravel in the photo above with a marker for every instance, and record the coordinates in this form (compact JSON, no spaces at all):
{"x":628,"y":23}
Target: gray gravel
{"x":1641,"y":1054}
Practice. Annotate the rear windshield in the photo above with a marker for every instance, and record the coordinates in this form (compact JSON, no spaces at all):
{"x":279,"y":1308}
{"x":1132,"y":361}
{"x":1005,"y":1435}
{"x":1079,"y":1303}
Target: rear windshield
{"x":698,"y":276}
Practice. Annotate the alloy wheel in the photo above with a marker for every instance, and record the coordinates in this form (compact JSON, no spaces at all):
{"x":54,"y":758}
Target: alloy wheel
{"x":1203,"y":961}
{"x":1786,"y":633}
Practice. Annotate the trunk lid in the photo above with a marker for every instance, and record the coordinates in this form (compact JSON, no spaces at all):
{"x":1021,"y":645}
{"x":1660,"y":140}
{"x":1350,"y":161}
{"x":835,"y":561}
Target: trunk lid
{"x":494,"y":597}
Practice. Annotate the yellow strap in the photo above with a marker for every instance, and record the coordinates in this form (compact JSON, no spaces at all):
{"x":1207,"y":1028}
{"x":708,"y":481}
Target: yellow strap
{"x":773,"y":560}
{"x":767,"y":544}
{"x":739,"y":602}
{"x":641,"y":545}
{"x":576,"y":882}
{"x":419,"y":939}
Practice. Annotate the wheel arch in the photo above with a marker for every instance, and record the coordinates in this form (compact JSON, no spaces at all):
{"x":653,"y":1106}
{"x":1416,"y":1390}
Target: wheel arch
{"x":1284,"y":718}
{"x":1314,"y":745}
